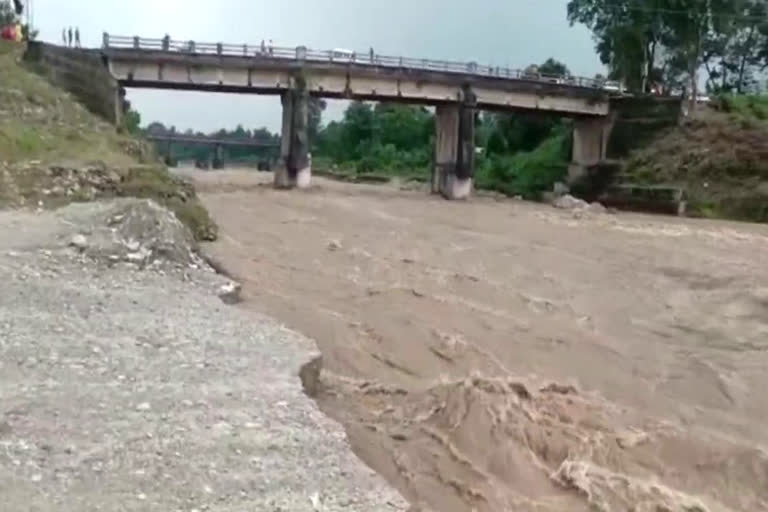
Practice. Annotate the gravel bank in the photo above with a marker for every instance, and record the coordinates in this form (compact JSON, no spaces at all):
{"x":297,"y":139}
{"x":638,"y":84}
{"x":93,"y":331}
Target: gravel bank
{"x":127,"y":389}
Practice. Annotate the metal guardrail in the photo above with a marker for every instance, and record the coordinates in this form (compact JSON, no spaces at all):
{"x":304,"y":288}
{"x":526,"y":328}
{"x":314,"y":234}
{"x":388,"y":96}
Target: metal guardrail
{"x":302,"y":53}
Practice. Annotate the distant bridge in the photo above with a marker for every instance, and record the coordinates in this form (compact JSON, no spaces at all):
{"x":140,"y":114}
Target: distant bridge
{"x":210,"y":141}
{"x":216,"y":157}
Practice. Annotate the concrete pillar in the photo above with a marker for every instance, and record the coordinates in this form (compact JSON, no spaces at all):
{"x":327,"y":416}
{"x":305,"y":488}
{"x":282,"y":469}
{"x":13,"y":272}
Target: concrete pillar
{"x":296,"y":168}
{"x":454,"y":149}
{"x":590,"y":142}
{"x":218,"y":157}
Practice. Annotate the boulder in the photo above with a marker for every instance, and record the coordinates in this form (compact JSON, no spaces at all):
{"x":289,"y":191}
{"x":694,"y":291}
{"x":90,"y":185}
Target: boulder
{"x":568,"y":202}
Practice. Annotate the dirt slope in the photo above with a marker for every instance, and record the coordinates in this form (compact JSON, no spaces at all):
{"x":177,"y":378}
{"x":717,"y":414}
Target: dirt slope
{"x":53,"y":151}
{"x":720,"y":156}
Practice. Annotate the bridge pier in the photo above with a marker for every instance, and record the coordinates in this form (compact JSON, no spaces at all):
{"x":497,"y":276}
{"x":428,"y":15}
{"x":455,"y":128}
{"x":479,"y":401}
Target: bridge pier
{"x":218,"y":157}
{"x":296,"y":170}
{"x":454,"y":149}
{"x":590,"y":143}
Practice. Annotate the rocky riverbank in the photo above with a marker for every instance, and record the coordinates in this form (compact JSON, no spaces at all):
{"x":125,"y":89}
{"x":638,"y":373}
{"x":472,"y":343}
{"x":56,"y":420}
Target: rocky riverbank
{"x":127,"y":383}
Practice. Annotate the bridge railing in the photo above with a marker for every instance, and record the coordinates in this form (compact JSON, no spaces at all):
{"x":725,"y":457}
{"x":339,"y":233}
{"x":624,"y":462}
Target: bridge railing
{"x":302,"y":53}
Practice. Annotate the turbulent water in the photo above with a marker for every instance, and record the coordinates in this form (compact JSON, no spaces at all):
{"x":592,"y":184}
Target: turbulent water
{"x":497,"y":355}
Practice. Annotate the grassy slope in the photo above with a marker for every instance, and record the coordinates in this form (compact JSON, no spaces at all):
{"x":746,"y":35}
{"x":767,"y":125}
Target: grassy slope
{"x":42,"y":126}
{"x":720,"y":155}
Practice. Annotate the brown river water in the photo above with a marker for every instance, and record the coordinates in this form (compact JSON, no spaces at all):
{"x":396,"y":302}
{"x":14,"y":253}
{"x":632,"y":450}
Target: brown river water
{"x":496,"y":355}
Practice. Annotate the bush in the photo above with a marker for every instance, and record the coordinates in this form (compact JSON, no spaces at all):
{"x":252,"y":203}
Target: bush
{"x":526,"y":174}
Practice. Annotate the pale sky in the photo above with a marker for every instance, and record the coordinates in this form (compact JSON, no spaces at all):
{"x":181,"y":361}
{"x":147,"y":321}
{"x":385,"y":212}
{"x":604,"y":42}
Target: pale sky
{"x":511,"y":33}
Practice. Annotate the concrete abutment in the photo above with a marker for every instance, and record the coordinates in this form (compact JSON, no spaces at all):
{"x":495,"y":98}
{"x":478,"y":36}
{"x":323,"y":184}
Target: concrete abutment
{"x":296,"y":170}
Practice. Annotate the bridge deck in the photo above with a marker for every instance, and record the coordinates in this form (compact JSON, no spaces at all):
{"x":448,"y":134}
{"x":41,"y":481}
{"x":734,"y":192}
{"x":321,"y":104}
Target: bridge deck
{"x":253,"y":69}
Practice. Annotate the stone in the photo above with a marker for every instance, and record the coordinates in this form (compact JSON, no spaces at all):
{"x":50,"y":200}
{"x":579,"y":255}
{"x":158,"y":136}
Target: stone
{"x":596,"y":208}
{"x":79,"y":242}
{"x":568,"y":202}
{"x":229,"y":293}
{"x":143,"y":406}
{"x":334,"y":245}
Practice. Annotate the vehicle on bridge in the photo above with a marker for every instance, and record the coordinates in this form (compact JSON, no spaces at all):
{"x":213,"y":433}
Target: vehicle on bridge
{"x":342,"y":55}
{"x":613,"y":86}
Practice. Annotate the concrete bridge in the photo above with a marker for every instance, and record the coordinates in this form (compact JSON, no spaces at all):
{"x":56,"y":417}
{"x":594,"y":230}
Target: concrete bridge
{"x":457,"y":90}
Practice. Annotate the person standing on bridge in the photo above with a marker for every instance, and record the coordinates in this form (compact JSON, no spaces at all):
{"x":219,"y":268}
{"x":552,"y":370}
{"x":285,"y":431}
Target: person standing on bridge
{"x":64,"y":36}
{"x":69,"y":37}
{"x":372,"y":54}
{"x":77,"y":37}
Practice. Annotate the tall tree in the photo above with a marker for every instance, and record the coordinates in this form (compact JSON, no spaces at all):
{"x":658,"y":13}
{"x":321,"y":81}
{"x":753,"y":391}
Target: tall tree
{"x":734,"y":53}
{"x":627,"y":36}
{"x":689,"y":25}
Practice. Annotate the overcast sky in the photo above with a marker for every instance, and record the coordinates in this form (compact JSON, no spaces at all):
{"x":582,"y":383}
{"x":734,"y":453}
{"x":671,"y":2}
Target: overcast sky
{"x":511,"y":33}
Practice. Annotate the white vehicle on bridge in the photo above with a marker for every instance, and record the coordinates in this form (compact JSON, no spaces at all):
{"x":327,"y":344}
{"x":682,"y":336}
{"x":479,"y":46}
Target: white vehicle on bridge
{"x":342,"y":55}
{"x":613,"y":86}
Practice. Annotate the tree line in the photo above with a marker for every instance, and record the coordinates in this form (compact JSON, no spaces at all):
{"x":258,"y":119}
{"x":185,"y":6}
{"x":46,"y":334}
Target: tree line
{"x":665,"y":44}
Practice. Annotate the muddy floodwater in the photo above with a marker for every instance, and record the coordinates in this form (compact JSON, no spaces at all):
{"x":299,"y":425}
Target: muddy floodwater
{"x":497,"y":355}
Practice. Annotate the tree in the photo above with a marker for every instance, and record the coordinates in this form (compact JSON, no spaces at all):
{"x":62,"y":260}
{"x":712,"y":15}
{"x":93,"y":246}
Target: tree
{"x":316,"y":108}
{"x":627,"y":36}
{"x":554,"y":67}
{"x":675,"y":39}
{"x":513,"y":133}
{"x":132,"y":121}
{"x":735,"y":53}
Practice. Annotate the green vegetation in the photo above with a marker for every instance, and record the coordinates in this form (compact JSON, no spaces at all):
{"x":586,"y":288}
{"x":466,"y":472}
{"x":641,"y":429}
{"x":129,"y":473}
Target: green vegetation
{"x":664,"y":43}
{"x":528,"y":173}
{"x":744,"y":108}
{"x":385,"y":138}
{"x":523,"y":155}
{"x":719,"y":156}
{"x":54,"y":151}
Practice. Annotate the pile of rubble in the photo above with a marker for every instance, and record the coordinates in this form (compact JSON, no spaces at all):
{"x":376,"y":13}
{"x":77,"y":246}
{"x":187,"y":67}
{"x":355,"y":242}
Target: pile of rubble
{"x":568,"y":202}
{"x":137,"y":231}
{"x":141,"y":234}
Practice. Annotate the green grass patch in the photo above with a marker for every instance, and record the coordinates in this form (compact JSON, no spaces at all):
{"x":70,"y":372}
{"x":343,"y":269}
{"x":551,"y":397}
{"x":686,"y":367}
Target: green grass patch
{"x":744,"y":107}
